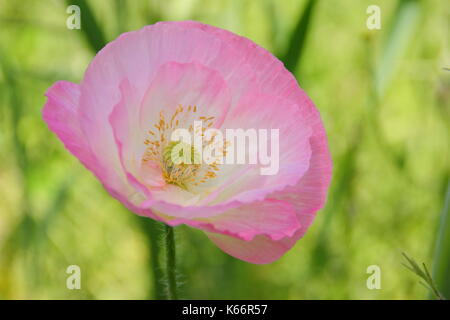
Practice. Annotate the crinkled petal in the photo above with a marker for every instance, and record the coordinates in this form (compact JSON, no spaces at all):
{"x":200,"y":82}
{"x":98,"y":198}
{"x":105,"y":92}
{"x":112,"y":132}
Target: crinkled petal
{"x":60,"y":114}
{"x":289,"y":160}
{"x":310,"y":194}
{"x":272,"y":218}
{"x":261,"y":249}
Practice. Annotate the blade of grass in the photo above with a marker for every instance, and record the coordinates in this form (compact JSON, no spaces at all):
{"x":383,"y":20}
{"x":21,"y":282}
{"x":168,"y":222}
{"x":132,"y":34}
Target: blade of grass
{"x":41,"y":239}
{"x":58,"y":202}
{"x":404,"y":22}
{"x":441,"y":259}
{"x":339,"y":191}
{"x":271,"y":7}
{"x":16,"y":109}
{"x":422,"y":272}
{"x":401,"y":32}
{"x":293,"y":54}
{"x":27,"y":226}
{"x":16,"y":106}
{"x":121,"y":12}
{"x":91,"y":29}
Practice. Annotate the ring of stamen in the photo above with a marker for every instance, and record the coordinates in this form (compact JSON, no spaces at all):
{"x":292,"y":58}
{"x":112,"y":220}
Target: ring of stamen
{"x":178,"y":167}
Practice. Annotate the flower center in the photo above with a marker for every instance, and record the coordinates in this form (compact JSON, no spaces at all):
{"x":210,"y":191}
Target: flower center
{"x":179,"y":162}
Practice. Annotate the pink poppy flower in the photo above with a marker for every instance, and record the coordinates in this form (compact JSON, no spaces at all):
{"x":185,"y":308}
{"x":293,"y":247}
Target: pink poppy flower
{"x":146,"y":83}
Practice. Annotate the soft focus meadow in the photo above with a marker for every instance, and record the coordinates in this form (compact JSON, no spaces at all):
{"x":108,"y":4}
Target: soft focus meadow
{"x":384,"y":97}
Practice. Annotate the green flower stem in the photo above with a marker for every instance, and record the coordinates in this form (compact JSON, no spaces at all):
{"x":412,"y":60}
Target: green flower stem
{"x":169,"y":240}
{"x":154,"y":233}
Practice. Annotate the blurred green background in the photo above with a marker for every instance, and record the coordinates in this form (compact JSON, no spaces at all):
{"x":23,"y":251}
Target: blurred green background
{"x":384,"y":98}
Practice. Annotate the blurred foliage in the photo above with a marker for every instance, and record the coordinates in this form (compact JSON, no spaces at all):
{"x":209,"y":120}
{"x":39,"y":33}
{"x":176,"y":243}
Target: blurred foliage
{"x":384,"y":98}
